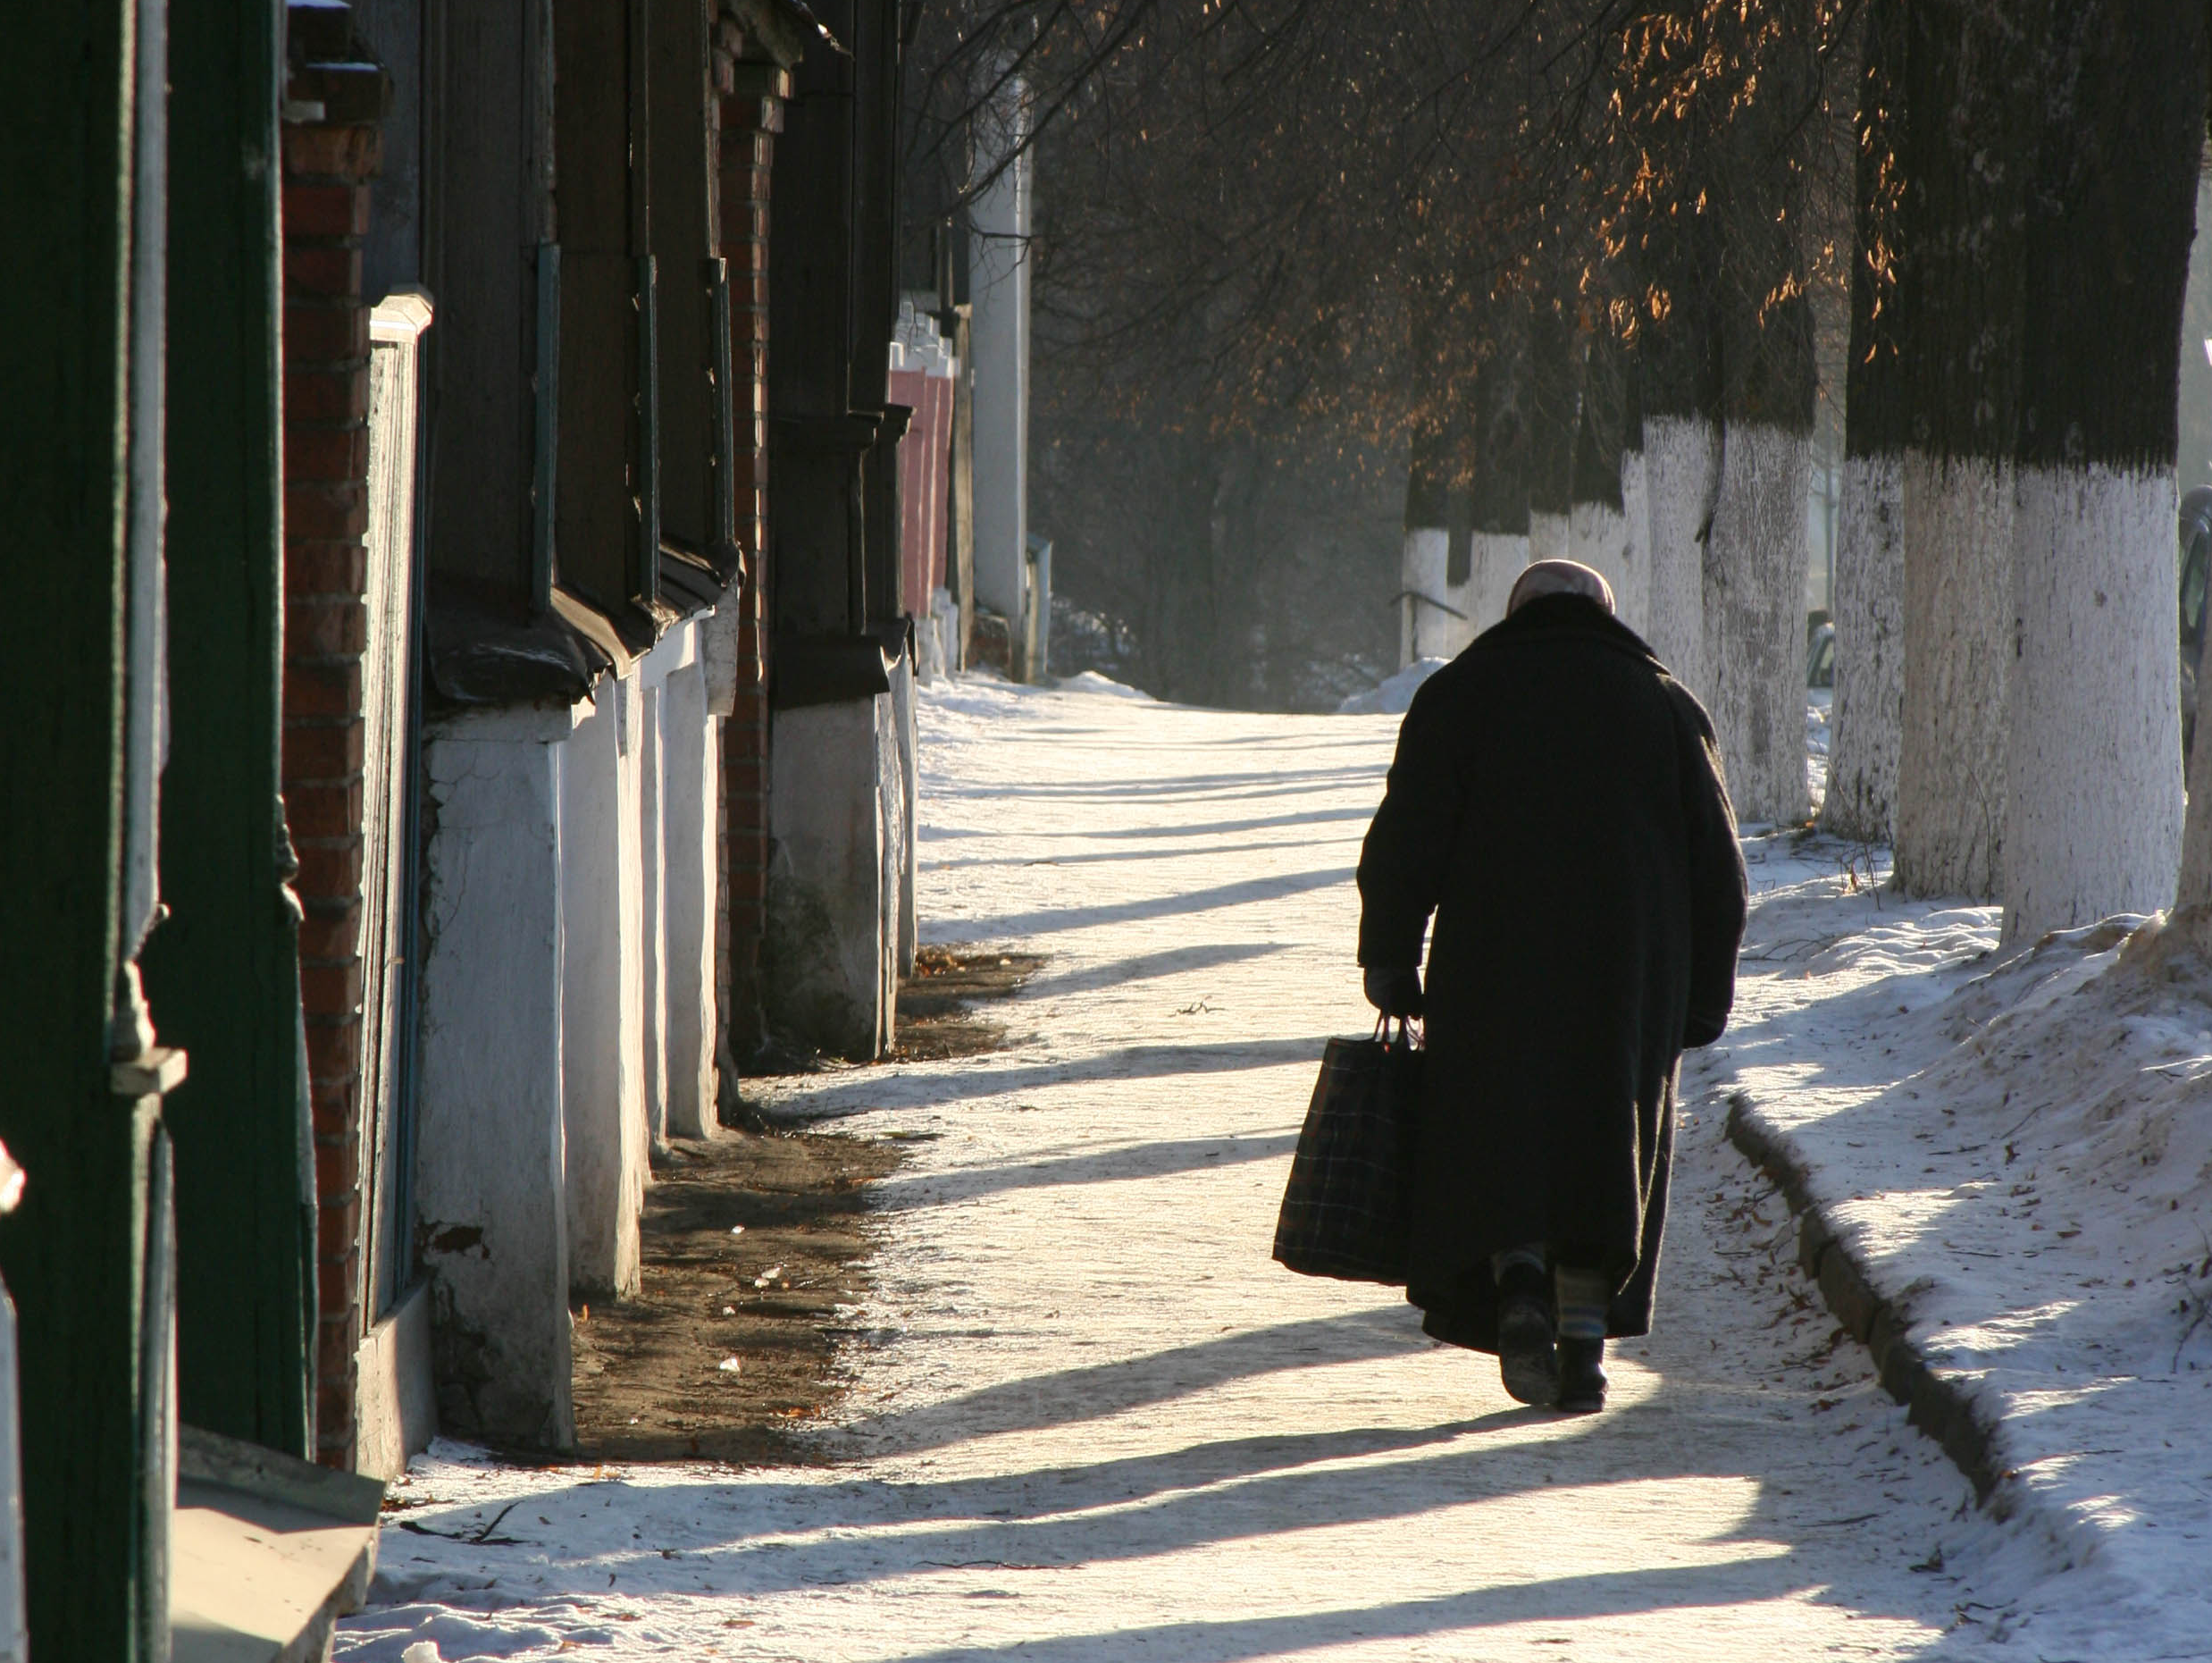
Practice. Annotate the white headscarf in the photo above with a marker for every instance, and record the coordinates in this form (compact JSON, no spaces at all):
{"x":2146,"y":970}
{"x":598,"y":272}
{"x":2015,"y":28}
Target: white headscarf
{"x":1560,"y":578}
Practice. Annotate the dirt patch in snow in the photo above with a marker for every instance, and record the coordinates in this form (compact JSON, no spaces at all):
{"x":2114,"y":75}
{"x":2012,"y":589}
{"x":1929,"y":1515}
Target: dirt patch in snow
{"x":936,"y":1020}
{"x":756,"y":1252}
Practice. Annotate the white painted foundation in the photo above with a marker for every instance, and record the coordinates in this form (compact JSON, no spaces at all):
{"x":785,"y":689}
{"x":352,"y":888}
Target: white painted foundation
{"x":568,"y":1020}
{"x":2093,"y":822}
{"x":489,"y":1159}
{"x":1754,"y":621}
{"x":1867,"y":713}
{"x":652,"y":914}
{"x":1958,"y":643}
{"x":692,"y":776}
{"x":1682,"y":463}
{"x":908,"y":779}
{"x":829,"y":977}
{"x":603,"y":989}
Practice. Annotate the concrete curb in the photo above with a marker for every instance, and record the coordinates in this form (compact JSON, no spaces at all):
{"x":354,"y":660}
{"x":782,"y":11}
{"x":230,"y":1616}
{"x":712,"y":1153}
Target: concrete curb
{"x":1947,"y":1410}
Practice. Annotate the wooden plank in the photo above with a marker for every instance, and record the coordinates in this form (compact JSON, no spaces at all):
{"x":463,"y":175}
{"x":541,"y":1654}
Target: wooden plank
{"x":70,"y":1252}
{"x":483,"y":224}
{"x":597,"y":514}
{"x":684,"y":242}
{"x":221,"y":973}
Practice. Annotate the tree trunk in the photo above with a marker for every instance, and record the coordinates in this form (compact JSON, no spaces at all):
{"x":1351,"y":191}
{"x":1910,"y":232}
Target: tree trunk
{"x":1681,"y":395}
{"x":1424,"y":625}
{"x":1866,"y":712}
{"x":1681,"y":478}
{"x":1755,"y":575}
{"x":1498,"y":488}
{"x":2094,"y":820}
{"x":1598,"y":525}
{"x":1634,"y":595}
{"x":1965,"y":138}
{"x":1757,"y":553}
{"x":1551,"y":432}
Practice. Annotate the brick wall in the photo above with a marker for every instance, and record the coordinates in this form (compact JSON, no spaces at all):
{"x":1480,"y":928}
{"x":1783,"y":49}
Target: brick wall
{"x":751,"y":111}
{"x":327,"y":167}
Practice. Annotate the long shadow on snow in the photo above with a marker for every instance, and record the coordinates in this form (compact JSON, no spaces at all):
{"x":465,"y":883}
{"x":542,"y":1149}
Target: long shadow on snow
{"x":1559,"y":1598}
{"x":1145,"y":966}
{"x":845,"y":1094}
{"x":1274,"y":781}
{"x":1243,"y":892}
{"x":1100,"y":857}
{"x":1070,"y":1395}
{"x":1210,"y":828}
{"x":1210,"y":1494}
{"x":1105,"y":1166}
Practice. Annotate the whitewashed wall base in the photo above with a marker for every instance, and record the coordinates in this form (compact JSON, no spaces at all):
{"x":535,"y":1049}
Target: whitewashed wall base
{"x":603,"y":990}
{"x":693,"y":774}
{"x":824,"y":953}
{"x":490,"y":1142}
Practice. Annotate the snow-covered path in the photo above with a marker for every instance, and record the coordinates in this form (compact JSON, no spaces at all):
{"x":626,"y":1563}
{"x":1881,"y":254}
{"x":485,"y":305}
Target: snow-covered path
{"x":1092,"y":1420}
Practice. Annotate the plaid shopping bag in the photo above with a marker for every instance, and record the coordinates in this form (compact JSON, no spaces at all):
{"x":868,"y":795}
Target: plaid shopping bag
{"x":1345,"y":1208}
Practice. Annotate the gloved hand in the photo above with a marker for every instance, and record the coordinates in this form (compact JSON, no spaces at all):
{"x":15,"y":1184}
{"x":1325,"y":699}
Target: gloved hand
{"x":1394,"y":989}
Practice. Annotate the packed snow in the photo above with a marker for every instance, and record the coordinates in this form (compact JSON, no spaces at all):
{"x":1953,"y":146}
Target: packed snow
{"x":1816,"y":712}
{"x":1089,"y":1419}
{"x":2016,"y":1144}
{"x":1091,"y":681}
{"x":1394,"y":695}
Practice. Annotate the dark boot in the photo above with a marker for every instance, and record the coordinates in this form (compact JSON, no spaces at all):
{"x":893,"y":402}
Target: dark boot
{"x":1528,"y":1362}
{"x":1581,"y":1376}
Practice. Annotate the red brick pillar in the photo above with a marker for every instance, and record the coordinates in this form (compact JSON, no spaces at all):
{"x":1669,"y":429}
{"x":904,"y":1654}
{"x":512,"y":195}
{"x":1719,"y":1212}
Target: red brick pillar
{"x":327,"y":167}
{"x":752,"y":111}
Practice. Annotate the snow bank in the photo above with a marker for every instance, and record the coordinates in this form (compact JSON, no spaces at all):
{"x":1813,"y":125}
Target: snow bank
{"x":2017,"y":1148}
{"x":1089,"y":1420}
{"x":1091,"y":681}
{"x":1396,"y":693}
{"x":1816,"y":711}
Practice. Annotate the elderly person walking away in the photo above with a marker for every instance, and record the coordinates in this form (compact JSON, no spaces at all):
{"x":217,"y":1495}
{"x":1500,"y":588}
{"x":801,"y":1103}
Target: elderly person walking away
{"x":1557,"y":802}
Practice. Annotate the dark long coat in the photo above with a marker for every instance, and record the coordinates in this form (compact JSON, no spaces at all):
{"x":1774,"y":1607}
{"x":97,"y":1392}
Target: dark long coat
{"x":1557,"y":802}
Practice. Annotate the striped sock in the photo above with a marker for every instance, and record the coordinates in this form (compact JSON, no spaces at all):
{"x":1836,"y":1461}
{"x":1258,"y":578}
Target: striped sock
{"x":1583,"y":1297}
{"x":1530,"y":1257}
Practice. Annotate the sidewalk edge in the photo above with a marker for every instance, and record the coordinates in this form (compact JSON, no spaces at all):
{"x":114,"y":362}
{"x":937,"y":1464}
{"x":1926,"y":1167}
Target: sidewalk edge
{"x":1947,"y":1410}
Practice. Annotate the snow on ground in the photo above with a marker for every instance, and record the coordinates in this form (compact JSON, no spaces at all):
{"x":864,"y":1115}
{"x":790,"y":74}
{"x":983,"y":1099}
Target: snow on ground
{"x":2016,"y":1144}
{"x":1091,"y":1420}
{"x":1816,"y":703}
{"x":1393,"y":695}
{"x":1091,"y":681}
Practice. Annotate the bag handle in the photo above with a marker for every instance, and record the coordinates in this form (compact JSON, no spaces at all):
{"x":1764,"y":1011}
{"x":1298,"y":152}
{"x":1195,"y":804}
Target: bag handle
{"x":1409,"y":1032}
